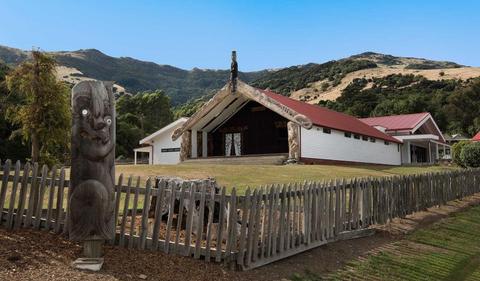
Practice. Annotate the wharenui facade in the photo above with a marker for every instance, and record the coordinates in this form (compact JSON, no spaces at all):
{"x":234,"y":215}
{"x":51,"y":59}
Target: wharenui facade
{"x":241,"y":120}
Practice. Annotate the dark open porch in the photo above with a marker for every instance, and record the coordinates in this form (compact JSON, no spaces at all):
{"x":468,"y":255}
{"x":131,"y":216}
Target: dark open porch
{"x":254,"y":129}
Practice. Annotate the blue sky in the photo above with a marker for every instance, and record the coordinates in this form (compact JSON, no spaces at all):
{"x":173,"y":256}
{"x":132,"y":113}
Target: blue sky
{"x":266,"y":34}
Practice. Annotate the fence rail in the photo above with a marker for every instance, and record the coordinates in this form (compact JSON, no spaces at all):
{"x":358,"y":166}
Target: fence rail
{"x":198,"y":219}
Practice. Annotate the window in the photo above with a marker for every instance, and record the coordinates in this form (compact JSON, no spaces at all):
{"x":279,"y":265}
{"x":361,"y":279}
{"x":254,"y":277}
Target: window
{"x":348,"y":135}
{"x":327,"y":131}
{"x":387,"y":143}
{"x":373,"y":140}
{"x":365,"y":138}
{"x":357,"y":137}
{"x":173,"y":149}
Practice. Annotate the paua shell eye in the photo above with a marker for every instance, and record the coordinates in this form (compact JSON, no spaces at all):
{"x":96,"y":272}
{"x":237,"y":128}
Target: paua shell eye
{"x":84,"y":112}
{"x":108,"y":121}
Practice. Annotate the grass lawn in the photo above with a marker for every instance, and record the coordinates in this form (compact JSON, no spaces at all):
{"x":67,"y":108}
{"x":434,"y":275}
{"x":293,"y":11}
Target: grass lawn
{"x":242,"y":176}
{"x":447,"y":250}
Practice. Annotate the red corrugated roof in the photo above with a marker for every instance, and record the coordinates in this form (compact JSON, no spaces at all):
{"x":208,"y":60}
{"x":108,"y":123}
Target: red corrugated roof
{"x":397,"y":122}
{"x":325,"y":117}
{"x":476,"y":137}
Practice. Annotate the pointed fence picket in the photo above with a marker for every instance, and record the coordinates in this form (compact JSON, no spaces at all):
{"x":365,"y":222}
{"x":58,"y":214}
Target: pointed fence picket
{"x":203,"y":221}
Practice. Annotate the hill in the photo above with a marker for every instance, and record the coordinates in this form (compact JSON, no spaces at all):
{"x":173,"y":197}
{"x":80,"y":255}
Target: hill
{"x":315,"y":82}
{"x":311,"y":82}
{"x":366,"y":84}
{"x":132,"y":75}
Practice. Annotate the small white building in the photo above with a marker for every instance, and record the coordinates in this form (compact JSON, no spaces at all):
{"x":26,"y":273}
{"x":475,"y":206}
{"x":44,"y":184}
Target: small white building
{"x":160,"y":147}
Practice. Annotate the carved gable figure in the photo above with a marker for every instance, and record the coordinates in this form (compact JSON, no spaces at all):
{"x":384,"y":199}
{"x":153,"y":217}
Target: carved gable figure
{"x":93,"y":154}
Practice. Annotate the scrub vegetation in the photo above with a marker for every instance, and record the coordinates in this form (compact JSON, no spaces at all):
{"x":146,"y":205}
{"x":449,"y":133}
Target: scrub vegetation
{"x":454,"y":104}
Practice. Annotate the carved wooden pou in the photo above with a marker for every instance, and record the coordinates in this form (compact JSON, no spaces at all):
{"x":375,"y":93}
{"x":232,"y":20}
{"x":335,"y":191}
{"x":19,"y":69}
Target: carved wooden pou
{"x":91,"y":213}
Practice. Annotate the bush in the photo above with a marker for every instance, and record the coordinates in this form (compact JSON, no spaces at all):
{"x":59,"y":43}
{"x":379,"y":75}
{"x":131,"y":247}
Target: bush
{"x":470,"y":155}
{"x":456,"y":152}
{"x":325,"y":86}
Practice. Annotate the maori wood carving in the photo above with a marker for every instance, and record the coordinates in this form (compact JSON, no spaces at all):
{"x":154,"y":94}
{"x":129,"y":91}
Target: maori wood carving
{"x":288,"y":113}
{"x":234,"y":72}
{"x":293,"y":141}
{"x":185,"y":146}
{"x":249,"y":93}
{"x":91,"y":214}
{"x":204,"y":110}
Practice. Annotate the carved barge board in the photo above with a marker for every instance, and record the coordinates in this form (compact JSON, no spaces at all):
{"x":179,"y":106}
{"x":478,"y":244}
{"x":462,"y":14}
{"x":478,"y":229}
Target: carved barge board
{"x":250,"y":93}
{"x":204,"y":110}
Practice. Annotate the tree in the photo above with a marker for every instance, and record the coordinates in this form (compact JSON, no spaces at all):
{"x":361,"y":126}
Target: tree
{"x":39,"y":105}
{"x":470,"y":155}
{"x":463,"y":108}
{"x":10,"y":148}
{"x":454,"y":104}
{"x":139,"y":116}
{"x":457,"y":149}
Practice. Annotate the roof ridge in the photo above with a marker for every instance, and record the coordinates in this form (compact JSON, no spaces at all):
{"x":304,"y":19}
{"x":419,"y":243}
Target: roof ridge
{"x":396,"y":115}
{"x":313,"y":105}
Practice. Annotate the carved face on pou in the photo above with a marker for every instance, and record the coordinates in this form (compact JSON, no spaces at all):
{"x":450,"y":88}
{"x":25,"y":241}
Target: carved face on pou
{"x":93,"y":119}
{"x":91,"y":200}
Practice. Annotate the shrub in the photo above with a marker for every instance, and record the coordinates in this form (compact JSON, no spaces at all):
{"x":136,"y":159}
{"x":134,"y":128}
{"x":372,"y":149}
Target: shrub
{"x":325,"y":86}
{"x":441,"y":73}
{"x":470,"y":155}
{"x":456,"y":152}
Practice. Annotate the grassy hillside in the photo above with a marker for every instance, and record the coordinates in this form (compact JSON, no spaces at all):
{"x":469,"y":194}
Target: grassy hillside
{"x":294,"y":78}
{"x":368,"y":84}
{"x":454,"y":104}
{"x":315,"y":82}
{"x":135,"y":75}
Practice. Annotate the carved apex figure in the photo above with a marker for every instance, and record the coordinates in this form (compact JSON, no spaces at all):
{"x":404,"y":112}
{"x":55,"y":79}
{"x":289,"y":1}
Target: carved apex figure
{"x":293,"y":141}
{"x":234,"y":72}
{"x":93,"y":154}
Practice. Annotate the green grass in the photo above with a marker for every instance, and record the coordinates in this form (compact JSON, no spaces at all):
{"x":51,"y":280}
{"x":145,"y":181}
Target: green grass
{"x":447,"y":250}
{"x":241,"y":176}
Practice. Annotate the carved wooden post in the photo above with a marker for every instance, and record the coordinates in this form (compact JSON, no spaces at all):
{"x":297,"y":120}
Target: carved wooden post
{"x":233,"y":72}
{"x":293,"y":142}
{"x":91,"y":214}
{"x":185,"y":146}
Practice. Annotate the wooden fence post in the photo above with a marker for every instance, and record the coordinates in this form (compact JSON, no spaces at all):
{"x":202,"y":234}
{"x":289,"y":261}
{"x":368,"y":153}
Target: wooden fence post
{"x":3,"y":192}
{"x":16,"y":178}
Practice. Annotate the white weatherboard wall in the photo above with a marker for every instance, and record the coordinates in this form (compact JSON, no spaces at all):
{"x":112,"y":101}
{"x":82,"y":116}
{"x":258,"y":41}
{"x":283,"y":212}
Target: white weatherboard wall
{"x":335,"y":146}
{"x":164,"y":141}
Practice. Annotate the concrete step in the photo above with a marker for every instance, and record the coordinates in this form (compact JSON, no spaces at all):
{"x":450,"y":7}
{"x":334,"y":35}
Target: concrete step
{"x":275,"y":159}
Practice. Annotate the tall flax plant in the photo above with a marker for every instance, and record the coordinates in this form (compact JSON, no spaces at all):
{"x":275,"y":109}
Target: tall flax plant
{"x":39,"y":104}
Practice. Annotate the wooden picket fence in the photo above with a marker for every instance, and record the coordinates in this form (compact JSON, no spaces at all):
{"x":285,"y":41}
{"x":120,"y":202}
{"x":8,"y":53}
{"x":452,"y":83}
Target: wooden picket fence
{"x":263,"y":225}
